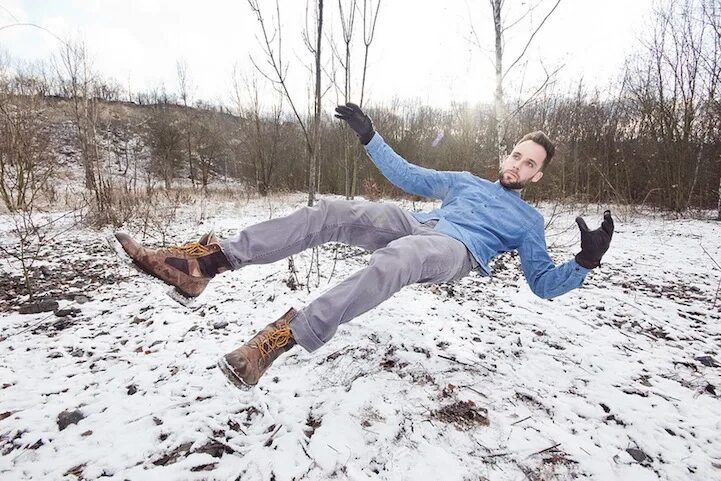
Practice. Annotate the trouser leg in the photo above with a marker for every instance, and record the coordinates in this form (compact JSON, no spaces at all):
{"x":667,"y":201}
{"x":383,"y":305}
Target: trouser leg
{"x":369,"y":225}
{"x":425,"y":257}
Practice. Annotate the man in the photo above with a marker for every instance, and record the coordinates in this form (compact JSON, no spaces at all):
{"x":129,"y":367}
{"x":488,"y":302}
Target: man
{"x":477,"y":220}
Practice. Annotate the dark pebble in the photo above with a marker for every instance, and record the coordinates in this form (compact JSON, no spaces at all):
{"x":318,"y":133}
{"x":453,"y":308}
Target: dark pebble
{"x":66,"y":418}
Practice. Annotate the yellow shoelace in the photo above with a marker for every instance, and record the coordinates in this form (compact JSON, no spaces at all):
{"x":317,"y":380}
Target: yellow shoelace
{"x":277,"y":338}
{"x":192,"y":249}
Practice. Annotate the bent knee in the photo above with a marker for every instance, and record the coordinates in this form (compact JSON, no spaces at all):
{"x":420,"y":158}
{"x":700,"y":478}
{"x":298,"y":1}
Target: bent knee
{"x":341,"y":211}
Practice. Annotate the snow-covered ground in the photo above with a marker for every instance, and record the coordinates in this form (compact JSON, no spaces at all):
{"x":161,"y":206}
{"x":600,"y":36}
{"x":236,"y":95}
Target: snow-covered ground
{"x":478,"y":380}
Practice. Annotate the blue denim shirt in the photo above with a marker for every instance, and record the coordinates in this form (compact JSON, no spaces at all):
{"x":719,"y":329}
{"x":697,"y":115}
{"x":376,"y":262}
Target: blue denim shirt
{"x":488,"y":218}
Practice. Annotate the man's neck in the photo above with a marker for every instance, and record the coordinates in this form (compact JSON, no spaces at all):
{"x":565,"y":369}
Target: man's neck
{"x":518,"y":191}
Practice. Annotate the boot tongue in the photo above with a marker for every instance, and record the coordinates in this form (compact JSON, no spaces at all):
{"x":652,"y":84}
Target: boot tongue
{"x":208,"y":238}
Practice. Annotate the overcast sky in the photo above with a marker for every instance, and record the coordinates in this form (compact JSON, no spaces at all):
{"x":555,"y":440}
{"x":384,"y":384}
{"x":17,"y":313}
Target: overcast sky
{"x":421,"y":48}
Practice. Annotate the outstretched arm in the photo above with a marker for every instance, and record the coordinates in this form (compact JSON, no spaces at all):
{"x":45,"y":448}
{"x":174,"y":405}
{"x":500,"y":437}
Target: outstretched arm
{"x":548,"y":280}
{"x":404,"y":175}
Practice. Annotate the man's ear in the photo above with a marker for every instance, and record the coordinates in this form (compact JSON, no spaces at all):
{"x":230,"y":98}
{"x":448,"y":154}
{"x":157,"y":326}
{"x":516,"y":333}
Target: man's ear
{"x":537,"y":177}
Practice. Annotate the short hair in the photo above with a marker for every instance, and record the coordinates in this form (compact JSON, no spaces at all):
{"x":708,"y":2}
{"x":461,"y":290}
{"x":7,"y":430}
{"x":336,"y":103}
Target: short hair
{"x":541,"y":139}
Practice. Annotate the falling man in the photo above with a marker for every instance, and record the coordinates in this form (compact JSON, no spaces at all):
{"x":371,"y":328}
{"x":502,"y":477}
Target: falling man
{"x":477,"y":220}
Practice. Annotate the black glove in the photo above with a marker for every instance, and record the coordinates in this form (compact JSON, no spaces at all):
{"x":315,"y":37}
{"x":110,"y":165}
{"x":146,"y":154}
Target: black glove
{"x":594,"y":243}
{"x":357,"y":120}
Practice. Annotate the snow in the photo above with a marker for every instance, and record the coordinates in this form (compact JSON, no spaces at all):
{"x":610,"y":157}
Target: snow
{"x":607,"y":368}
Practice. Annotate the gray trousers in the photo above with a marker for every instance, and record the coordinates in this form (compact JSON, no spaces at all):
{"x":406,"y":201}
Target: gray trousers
{"x":404,"y":252}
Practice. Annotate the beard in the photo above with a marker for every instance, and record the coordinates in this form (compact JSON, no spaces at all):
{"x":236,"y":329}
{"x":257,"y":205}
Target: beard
{"x":515,"y":184}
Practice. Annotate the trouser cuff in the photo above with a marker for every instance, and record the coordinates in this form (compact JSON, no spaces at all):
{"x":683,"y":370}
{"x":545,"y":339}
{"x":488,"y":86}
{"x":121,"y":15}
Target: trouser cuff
{"x":225,"y":248}
{"x":303,"y":333}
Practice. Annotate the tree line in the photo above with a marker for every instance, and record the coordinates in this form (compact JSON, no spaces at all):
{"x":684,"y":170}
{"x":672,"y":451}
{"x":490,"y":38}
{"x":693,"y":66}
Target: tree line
{"x":653,"y":138}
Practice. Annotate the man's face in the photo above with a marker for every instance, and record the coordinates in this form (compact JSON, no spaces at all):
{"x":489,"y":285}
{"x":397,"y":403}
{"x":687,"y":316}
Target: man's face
{"x":522,"y":166}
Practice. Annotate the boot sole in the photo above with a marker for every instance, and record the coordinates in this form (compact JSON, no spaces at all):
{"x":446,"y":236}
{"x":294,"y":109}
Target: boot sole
{"x":231,"y":375}
{"x":174,"y":292}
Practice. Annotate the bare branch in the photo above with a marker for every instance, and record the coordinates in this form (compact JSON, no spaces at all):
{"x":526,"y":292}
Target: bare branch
{"x":277,"y":64}
{"x":23,"y":24}
{"x":528,"y":44}
{"x":535,"y":94}
{"x":368,"y":35}
{"x":517,"y":21}
{"x":334,"y":50}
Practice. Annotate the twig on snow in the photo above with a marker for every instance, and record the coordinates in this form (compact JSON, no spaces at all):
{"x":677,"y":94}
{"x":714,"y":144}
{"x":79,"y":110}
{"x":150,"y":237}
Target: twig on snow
{"x":475,"y":391}
{"x":31,"y":326}
{"x":718,"y":287}
{"x":544,"y":450}
{"x":454,"y":360}
{"x":495,"y":455}
{"x":710,"y":256}
{"x":521,"y":420}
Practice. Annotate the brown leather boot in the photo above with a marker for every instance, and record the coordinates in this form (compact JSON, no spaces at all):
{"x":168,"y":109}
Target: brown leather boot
{"x":188,"y":267}
{"x":245,"y":365}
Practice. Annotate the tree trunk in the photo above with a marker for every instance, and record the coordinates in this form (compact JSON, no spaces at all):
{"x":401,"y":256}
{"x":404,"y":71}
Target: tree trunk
{"x":354,"y":179}
{"x":348,"y":158}
{"x":346,"y":166}
{"x":315,"y":149}
{"x":498,"y":97}
{"x":190,"y":155}
{"x":346,"y":139}
{"x":718,"y":217}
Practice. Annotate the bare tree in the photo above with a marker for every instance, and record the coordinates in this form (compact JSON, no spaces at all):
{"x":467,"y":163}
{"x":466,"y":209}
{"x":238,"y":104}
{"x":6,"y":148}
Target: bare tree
{"x":347,"y":19}
{"x":711,"y":61}
{"x":126,"y":145}
{"x":272,"y":45}
{"x":74,"y":70}
{"x":261,"y":135}
{"x":211,"y":144}
{"x":314,"y":46}
{"x":347,"y":22}
{"x":26,"y":167}
{"x":83,"y":88}
{"x":185,"y":88}
{"x":25,"y":162}
{"x":370,"y":19}
{"x":674,"y":86}
{"x":500,"y":116}
{"x":165,"y":139}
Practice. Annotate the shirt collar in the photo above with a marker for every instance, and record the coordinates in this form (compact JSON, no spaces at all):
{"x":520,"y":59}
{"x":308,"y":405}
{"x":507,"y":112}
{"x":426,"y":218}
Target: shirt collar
{"x":512,"y":191}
